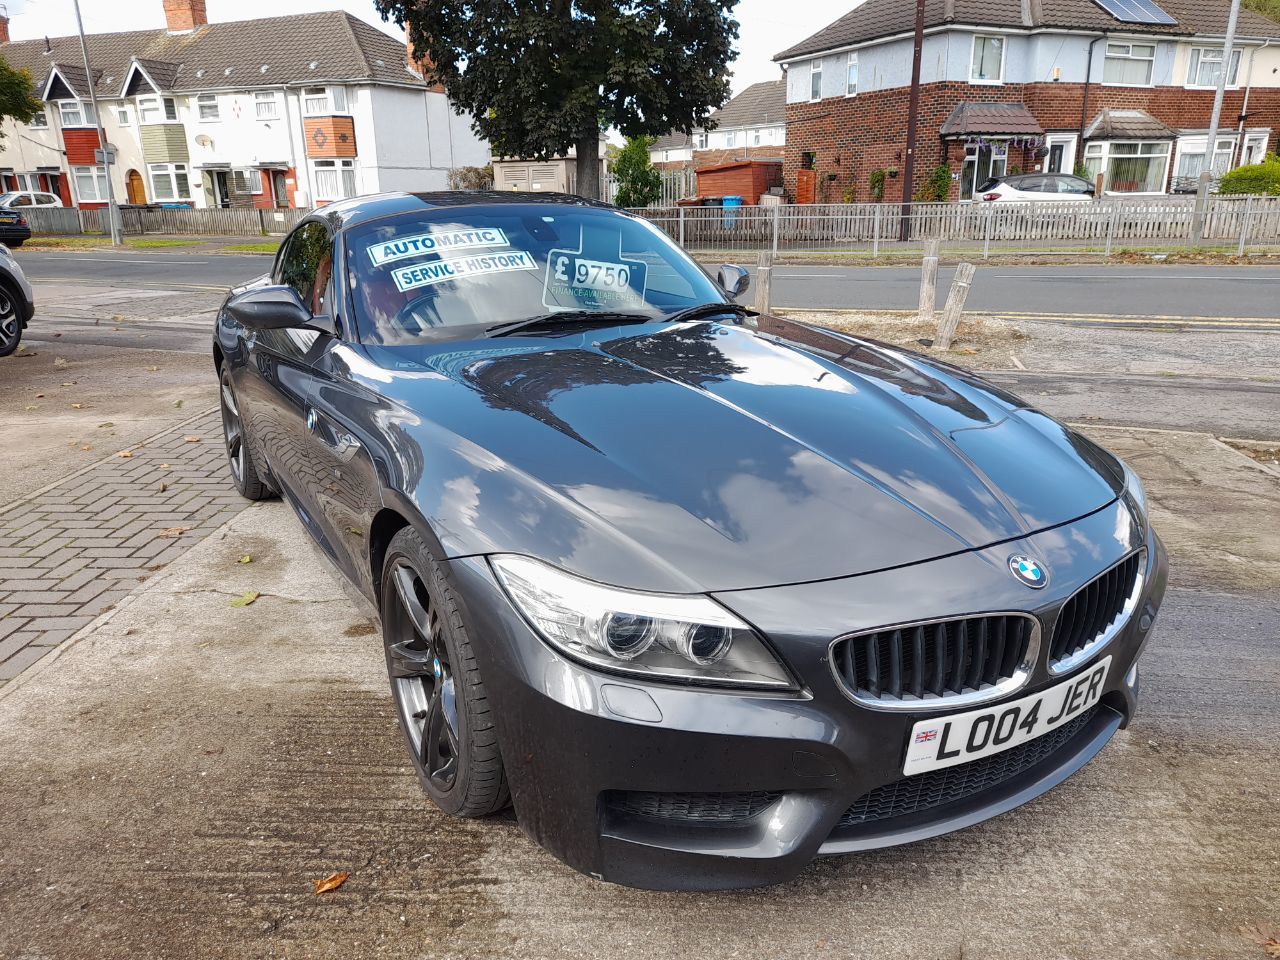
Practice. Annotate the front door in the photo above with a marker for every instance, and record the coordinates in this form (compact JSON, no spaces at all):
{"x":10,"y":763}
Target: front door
{"x":280,"y":190}
{"x":1061,"y":156}
{"x":221,"y":189}
{"x":134,"y":188}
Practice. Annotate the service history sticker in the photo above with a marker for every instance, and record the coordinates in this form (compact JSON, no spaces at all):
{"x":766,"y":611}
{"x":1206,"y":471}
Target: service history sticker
{"x":596,"y":276}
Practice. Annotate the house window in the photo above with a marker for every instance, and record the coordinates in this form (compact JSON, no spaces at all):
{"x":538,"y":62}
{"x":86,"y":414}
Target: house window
{"x":987,"y":65}
{"x":318,"y":101}
{"x":207,"y":106}
{"x":1191,"y":160}
{"x":1129,"y":64}
{"x":77,"y":114}
{"x":851,"y":80}
{"x":265,"y":105}
{"x":1255,"y":149}
{"x":334,"y":179}
{"x":90,"y":184}
{"x":815,"y":80}
{"x":756,"y":137}
{"x":699,"y":141}
{"x":1129,"y":166}
{"x":1205,"y":67}
{"x":124,"y":116}
{"x":731,"y":139}
{"x":169,"y":181}
{"x":40,"y":121}
{"x":157,"y":109}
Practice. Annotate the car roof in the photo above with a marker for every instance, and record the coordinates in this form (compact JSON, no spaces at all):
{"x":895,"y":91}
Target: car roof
{"x":357,"y":210}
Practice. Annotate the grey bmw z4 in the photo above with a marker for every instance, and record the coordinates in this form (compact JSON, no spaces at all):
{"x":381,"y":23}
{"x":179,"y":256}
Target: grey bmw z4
{"x":703,"y":594}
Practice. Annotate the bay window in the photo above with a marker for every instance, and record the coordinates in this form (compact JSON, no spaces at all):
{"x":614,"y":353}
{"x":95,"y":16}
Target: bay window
{"x":334,"y":179}
{"x":1204,"y":69}
{"x":207,"y":106}
{"x":76,"y":114}
{"x":1129,"y":166}
{"x":987,"y":65}
{"x":169,"y":181}
{"x":1129,"y":64}
{"x":265,"y":105}
{"x":90,"y":184}
{"x":851,"y":79}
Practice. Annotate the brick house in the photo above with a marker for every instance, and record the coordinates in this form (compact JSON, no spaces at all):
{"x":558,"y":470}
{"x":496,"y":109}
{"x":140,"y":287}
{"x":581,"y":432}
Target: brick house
{"x":277,"y":112}
{"x":1027,"y":86}
{"x":751,"y":126}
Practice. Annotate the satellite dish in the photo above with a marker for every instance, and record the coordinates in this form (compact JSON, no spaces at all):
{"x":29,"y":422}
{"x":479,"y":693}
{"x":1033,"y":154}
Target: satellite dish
{"x":204,"y":140}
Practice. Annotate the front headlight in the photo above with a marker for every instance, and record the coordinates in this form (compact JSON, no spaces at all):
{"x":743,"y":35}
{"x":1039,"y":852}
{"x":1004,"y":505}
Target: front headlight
{"x":661,"y":636}
{"x":1136,"y":493}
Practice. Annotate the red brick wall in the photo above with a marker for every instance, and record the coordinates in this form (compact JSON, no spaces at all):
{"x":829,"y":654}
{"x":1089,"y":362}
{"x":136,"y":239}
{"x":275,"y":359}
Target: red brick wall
{"x":852,"y":137}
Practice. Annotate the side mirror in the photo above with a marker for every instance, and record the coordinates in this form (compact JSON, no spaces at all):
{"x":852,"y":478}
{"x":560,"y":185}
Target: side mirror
{"x":275,"y":307}
{"x":733,"y":280}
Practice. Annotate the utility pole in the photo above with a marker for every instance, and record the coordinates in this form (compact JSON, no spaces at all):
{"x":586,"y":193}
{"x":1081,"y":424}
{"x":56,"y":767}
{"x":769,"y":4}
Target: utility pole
{"x":113,"y":211}
{"x":909,"y":168}
{"x":1206,"y":169}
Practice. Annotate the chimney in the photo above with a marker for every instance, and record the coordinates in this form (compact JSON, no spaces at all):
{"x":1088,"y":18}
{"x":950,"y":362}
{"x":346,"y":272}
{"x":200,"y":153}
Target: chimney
{"x":419,"y":64}
{"x":183,"y":16}
{"x":4,"y":24}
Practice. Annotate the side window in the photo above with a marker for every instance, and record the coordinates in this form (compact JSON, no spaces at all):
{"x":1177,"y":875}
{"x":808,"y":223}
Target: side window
{"x":24,"y":200}
{"x":1031,"y":184}
{"x":307,"y":255}
{"x":1071,"y":185}
{"x":46,"y":200}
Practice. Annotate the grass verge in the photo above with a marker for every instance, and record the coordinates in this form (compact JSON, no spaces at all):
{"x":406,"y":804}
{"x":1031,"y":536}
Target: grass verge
{"x":264,"y":246}
{"x":103,"y":243}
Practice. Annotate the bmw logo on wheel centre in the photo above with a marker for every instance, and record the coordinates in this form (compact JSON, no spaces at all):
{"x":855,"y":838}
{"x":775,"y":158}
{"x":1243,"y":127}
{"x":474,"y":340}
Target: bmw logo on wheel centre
{"x":1028,"y":571}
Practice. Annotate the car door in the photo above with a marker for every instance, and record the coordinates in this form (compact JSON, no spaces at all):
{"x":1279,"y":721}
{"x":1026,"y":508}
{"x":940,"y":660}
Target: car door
{"x":275,"y":385}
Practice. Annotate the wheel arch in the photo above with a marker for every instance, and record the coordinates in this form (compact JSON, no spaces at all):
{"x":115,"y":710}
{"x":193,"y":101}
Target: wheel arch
{"x":396,"y":513}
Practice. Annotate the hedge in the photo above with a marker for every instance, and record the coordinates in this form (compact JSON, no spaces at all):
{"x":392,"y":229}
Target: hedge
{"x":1260,"y":178}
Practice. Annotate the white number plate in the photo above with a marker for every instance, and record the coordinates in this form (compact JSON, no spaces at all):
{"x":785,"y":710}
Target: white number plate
{"x":947,"y":741}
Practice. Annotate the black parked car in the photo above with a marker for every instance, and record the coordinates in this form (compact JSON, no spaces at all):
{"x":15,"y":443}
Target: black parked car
{"x":17,"y":303}
{"x":14,"y":229}
{"x":704,"y":594}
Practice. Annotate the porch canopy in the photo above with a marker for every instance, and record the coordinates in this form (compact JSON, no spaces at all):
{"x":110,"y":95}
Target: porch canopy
{"x":991,"y":120}
{"x":1127,"y":125}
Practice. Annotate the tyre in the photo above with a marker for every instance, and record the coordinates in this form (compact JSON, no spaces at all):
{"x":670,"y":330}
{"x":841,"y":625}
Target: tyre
{"x":445,"y":714}
{"x":244,"y":472}
{"x":10,"y":322}
{"x":15,"y":244}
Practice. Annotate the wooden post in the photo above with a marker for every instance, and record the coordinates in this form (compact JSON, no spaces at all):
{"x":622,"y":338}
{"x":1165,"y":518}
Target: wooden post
{"x":955,"y":306}
{"x":764,"y":282}
{"x":929,"y":279}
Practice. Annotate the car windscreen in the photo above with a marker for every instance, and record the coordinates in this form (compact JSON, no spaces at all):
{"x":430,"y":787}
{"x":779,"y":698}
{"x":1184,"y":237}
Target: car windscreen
{"x":453,"y":272}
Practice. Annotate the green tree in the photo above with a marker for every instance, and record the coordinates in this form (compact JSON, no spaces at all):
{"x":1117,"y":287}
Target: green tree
{"x":639,"y":185}
{"x":542,"y":76}
{"x":17,"y":100}
{"x":1268,"y":8}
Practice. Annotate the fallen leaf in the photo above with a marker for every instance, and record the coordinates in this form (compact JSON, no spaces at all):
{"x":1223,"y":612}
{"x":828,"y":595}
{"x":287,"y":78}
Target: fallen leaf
{"x":332,"y":882}
{"x":164,"y":466}
{"x":32,"y":406}
{"x":355,"y":531}
{"x":125,"y":454}
{"x":59,"y":361}
{"x":87,"y":446}
{"x":1265,"y":937}
{"x":153,"y":369}
{"x":163,"y":486}
{"x":104,"y":426}
{"x":117,"y":318}
{"x":173,"y":532}
{"x":245,"y":559}
{"x":71,"y":383}
{"x":77,"y":406}
{"x":244,"y":600}
{"x":178,"y":404}
{"x":191,"y":439}
{"x":39,"y":396}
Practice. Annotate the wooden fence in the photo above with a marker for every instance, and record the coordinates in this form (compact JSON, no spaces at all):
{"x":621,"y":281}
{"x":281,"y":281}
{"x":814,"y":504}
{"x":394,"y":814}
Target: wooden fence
{"x":244,"y":222}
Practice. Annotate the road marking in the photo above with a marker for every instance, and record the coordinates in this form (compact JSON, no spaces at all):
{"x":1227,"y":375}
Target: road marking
{"x":130,"y":260}
{"x":126,"y":284}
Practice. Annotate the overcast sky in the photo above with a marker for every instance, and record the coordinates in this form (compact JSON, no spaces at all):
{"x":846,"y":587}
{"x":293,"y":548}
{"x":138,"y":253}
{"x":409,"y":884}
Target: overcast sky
{"x":768,"y":26}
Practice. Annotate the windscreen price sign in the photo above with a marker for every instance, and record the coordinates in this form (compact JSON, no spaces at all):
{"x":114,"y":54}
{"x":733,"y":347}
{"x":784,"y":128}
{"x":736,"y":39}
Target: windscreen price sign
{"x":575,"y":280}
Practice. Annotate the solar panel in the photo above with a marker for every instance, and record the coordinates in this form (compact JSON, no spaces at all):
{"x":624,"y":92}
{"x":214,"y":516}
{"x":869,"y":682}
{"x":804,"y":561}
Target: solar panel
{"x":1136,"y":11}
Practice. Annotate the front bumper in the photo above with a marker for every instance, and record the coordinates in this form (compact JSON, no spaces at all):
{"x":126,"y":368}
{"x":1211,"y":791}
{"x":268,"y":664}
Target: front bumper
{"x":678,"y":788}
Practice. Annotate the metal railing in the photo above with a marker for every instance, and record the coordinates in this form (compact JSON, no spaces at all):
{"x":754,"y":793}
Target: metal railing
{"x":1233,"y":224}
{"x":241,"y":222}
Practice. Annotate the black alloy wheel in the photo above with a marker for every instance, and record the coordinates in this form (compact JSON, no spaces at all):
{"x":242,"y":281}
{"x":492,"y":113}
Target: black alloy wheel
{"x":244,"y":472}
{"x":435,"y":682}
{"x":10,"y":323}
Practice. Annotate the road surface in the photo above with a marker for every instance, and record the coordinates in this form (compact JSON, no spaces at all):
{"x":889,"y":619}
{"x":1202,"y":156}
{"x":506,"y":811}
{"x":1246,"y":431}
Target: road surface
{"x":1122,"y":290}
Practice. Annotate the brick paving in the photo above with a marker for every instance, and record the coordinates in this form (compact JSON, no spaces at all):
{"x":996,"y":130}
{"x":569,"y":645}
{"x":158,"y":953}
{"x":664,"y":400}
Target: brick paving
{"x":79,"y":547}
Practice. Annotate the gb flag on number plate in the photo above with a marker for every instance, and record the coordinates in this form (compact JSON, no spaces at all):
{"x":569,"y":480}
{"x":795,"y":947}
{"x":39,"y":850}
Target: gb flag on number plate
{"x":925,"y":736}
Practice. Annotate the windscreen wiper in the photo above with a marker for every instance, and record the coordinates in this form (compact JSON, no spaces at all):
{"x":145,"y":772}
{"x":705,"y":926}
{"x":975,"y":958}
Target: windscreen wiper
{"x":564,"y":318}
{"x":704,"y":310}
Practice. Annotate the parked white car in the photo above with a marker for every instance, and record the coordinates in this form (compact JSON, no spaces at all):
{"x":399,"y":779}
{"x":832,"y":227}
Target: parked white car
{"x":1029,"y":187}
{"x":30,"y":198}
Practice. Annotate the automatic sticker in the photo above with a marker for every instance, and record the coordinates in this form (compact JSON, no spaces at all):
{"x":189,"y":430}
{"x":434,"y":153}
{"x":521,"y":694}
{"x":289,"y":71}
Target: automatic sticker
{"x":404,"y":248}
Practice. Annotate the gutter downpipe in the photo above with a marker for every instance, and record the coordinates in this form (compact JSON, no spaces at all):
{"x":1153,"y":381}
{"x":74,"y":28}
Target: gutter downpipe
{"x":1084,"y":105}
{"x":1244,"y":109}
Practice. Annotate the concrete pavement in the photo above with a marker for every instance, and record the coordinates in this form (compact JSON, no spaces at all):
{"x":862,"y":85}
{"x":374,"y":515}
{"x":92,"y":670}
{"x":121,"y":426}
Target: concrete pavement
{"x":176,"y":781}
